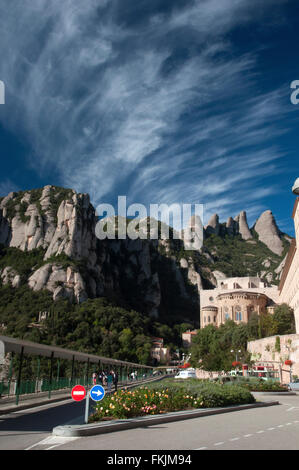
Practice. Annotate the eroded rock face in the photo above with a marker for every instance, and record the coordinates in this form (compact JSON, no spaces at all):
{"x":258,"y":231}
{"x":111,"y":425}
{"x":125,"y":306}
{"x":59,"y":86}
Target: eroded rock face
{"x":62,"y":282}
{"x":213,"y":225}
{"x":74,"y":234}
{"x":62,"y":222}
{"x":5,"y":231}
{"x":242,"y":226}
{"x":193,"y":235}
{"x":10,"y":276}
{"x":231,"y":226}
{"x":268,"y":232}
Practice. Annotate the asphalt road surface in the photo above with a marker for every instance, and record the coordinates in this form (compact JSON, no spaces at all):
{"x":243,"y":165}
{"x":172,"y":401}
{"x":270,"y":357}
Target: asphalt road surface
{"x":272,"y":428}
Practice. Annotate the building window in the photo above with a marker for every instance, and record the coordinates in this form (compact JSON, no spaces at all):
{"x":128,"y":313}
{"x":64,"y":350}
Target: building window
{"x":209,"y":319}
{"x":238,"y":313}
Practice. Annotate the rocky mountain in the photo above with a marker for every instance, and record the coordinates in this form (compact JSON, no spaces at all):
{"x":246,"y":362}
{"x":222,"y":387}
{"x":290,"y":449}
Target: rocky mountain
{"x":48,"y":241}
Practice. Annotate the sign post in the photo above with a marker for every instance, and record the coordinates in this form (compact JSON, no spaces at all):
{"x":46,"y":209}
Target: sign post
{"x":86,"y":409}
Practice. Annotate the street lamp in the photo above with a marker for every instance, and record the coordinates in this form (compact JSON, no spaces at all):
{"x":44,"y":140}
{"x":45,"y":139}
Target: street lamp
{"x":239,"y":351}
{"x":288,"y":347}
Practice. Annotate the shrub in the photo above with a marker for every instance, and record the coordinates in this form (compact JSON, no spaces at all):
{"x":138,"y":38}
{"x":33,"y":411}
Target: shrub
{"x":158,"y":399}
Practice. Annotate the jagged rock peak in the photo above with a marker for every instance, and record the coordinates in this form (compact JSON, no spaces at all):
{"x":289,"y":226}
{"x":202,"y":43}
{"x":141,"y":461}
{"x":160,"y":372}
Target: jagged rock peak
{"x":53,"y":218}
{"x":231,"y":226}
{"x":243,"y":228}
{"x":213,"y":226}
{"x":268,"y":232}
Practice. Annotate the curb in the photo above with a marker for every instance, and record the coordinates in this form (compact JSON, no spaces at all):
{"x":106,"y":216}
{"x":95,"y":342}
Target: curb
{"x":121,"y":425}
{"x":282,"y":394}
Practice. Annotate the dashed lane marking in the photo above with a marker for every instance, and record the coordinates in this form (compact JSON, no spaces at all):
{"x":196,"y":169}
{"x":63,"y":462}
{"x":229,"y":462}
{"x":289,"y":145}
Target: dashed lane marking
{"x":249,"y":435}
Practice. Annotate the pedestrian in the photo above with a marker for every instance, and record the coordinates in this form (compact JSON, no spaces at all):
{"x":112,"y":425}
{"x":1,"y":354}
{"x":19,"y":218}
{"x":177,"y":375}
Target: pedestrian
{"x":94,"y":378}
{"x":115,"y":380}
{"x":101,"y":377}
{"x":105,"y":375}
{"x":109,"y":381}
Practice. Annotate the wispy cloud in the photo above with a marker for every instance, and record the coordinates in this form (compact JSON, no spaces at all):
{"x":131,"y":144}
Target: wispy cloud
{"x":7,"y":186}
{"x":162,"y":109}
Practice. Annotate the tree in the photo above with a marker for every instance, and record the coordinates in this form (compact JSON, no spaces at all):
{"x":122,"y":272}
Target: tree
{"x":283,"y":320}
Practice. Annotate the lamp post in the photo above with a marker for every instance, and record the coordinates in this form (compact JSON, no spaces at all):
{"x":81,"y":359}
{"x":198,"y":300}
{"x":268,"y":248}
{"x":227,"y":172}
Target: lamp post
{"x":288,"y":347}
{"x":239,"y":351}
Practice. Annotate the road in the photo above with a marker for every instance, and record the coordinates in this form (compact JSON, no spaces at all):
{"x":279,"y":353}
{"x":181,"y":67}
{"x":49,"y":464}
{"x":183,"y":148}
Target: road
{"x":271,"y":428}
{"x":22,"y":429}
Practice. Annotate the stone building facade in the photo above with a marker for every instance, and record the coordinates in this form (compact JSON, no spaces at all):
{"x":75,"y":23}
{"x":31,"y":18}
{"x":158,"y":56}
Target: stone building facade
{"x":289,"y":284}
{"x":236,"y":299}
{"x":272,"y":352}
{"x":187,"y":338}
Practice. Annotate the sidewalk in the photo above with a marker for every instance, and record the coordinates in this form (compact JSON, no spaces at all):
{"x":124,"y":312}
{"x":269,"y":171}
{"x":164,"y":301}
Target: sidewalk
{"x":8,"y":405}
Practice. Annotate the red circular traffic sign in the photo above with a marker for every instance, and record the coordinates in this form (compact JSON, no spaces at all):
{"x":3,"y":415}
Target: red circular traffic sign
{"x":78,"y":393}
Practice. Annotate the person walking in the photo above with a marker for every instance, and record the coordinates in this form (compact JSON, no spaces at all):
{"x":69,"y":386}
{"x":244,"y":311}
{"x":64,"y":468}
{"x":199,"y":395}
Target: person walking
{"x":115,"y":380}
{"x":101,"y":377}
{"x":94,"y":378}
{"x":109,"y":381}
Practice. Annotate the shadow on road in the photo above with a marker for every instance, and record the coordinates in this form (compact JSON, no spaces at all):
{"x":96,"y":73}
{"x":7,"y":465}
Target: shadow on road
{"x":42,"y":420}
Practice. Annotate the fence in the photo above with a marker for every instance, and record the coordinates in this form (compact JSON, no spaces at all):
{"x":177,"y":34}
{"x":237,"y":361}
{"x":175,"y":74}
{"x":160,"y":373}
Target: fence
{"x":10,"y":388}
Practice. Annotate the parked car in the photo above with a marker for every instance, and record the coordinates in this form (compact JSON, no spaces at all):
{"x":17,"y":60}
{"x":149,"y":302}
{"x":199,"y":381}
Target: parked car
{"x":294,"y":385}
{"x":186,"y":374}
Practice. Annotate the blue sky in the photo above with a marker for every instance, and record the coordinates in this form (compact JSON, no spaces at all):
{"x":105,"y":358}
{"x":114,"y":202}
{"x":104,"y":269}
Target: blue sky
{"x":180,"y":101}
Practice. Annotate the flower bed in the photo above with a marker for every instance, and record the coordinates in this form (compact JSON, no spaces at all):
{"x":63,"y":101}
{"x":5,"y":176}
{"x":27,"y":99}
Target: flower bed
{"x":146,"y":401}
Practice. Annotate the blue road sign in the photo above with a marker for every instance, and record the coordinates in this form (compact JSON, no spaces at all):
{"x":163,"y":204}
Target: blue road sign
{"x":97,"y":393}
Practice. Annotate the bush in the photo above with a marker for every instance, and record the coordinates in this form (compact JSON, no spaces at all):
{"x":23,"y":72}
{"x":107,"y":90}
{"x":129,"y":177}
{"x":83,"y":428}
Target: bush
{"x":259,"y":385}
{"x":158,"y":399}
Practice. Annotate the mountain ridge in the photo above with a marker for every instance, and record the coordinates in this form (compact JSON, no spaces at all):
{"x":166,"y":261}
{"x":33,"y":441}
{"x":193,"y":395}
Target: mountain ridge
{"x":54,"y":227}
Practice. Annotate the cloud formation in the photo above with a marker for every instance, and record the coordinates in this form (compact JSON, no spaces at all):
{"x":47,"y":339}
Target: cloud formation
{"x":151,"y":100}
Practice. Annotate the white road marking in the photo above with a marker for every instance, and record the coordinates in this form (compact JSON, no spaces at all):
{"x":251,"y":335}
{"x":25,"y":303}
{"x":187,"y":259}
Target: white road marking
{"x":249,"y":435}
{"x":55,"y":440}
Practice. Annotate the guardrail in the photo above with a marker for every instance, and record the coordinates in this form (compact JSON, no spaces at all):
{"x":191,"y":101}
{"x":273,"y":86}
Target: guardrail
{"x":35,"y":387}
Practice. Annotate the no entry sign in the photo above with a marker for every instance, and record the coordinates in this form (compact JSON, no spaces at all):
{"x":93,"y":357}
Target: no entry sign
{"x":78,"y":393}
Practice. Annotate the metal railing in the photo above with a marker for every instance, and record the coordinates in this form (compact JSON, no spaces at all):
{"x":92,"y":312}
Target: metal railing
{"x":10,"y":388}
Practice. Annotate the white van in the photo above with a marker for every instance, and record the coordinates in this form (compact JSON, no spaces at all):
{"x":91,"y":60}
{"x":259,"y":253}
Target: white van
{"x":186,"y":374}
